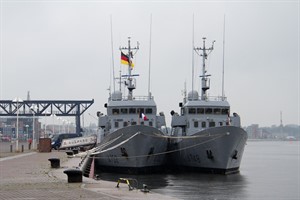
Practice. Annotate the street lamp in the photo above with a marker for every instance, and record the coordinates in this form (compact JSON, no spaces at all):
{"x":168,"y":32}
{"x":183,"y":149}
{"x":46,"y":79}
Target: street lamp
{"x":64,"y":127}
{"x":17,"y":100}
{"x":53,"y":115}
{"x":32,"y":108}
{"x":27,"y":126}
{"x":59,"y":127}
{"x":68,"y":126}
{"x":45,"y":130}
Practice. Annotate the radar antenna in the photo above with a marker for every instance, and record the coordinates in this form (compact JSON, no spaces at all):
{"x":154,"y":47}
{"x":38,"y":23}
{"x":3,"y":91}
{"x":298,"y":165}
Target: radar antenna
{"x":129,"y":55}
{"x":204,"y":77}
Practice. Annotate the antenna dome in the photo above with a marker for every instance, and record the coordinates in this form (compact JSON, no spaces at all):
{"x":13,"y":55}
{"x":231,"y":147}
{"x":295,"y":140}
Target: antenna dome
{"x":193,"y":95}
{"x":116,"y":96}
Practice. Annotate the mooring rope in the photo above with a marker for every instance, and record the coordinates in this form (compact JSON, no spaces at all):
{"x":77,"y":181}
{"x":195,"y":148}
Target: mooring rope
{"x":117,"y":145}
{"x":98,"y":147}
{"x":178,"y":137}
{"x":161,"y":153}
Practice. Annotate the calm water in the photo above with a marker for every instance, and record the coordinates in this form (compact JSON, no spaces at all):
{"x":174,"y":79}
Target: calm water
{"x":269,"y":170}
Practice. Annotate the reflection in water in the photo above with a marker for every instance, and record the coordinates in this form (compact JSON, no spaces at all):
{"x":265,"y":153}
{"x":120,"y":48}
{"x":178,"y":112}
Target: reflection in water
{"x":210,"y":186}
{"x":189,"y":185}
{"x":269,"y":171}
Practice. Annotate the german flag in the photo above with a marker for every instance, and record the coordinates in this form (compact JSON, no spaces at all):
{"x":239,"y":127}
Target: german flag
{"x":125,"y":60}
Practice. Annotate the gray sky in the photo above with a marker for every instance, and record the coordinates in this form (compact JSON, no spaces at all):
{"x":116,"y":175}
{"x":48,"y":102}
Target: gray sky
{"x":62,"y":50}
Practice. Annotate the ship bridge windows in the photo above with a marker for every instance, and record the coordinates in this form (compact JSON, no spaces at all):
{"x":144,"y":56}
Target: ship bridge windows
{"x":200,"y":110}
{"x":225,"y":111}
{"x":115,"y":111}
{"x":148,"y":111}
{"x":124,"y":111}
{"x":217,"y":111}
{"x":207,"y":110}
{"x":140,"y":110}
{"x":132,"y":110}
{"x":192,"y":110}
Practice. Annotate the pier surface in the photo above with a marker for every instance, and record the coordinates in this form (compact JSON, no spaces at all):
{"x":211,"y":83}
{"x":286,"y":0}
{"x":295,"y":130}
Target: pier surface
{"x":28,"y":175}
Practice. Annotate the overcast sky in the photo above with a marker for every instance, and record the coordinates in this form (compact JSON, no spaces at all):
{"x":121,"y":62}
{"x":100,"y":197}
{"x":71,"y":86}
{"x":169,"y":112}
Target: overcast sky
{"x":61,"y":50}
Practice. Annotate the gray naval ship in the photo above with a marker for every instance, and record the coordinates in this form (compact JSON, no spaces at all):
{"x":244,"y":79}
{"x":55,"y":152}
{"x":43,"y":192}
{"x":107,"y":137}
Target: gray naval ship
{"x":204,"y":135}
{"x":133,"y":141}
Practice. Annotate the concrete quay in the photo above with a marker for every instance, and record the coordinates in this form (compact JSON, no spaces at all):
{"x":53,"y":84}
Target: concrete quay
{"x":29,"y":175}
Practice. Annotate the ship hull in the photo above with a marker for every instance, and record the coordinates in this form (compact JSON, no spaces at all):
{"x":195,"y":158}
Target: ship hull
{"x":133,"y":149}
{"x":214,"y":150}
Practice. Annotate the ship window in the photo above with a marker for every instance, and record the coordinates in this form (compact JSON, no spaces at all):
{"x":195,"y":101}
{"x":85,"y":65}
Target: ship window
{"x":150,"y":123}
{"x":196,"y":124}
{"x":183,"y":111}
{"x":208,"y":110}
{"x":115,"y":111}
{"x":192,"y":110}
{"x":148,"y":110}
{"x":140,"y":110}
{"x":116,"y":124}
{"x":125,"y":124}
{"x":217,"y":111}
{"x":200,"y":110}
{"x":133,"y":123}
{"x":124,"y":110}
{"x":221,"y":123}
{"x":225,"y":111}
{"x":212,"y":124}
{"x":203,"y":124}
{"x":132,"y":110}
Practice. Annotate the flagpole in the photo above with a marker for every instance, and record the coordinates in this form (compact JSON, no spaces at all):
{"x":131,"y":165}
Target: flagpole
{"x":223,"y":95}
{"x":112,"y":52}
{"x":150,"y":56}
{"x":193,"y":46}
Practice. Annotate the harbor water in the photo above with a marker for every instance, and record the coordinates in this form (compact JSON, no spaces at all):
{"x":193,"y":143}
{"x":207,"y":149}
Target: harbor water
{"x":269,"y":170}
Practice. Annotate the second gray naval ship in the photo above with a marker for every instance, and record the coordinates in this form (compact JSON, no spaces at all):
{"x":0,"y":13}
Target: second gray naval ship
{"x":205,"y":137}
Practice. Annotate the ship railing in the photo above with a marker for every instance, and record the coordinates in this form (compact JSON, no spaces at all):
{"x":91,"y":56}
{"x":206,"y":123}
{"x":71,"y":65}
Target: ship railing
{"x":136,"y":98}
{"x":215,"y":98}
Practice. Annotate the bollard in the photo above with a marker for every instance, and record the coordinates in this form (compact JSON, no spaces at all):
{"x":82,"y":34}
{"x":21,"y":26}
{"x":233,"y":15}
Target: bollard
{"x":22,"y":147}
{"x":75,"y":151}
{"x":70,"y":153}
{"x":145,"y":188}
{"x":74,"y":175}
{"x":55,"y":162}
{"x":11,"y":148}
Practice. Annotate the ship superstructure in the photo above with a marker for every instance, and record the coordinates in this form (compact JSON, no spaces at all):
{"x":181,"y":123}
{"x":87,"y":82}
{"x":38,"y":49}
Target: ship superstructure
{"x":205,"y":136}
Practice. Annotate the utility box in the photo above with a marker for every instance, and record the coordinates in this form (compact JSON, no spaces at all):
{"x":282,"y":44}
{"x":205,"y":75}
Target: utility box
{"x":45,"y":145}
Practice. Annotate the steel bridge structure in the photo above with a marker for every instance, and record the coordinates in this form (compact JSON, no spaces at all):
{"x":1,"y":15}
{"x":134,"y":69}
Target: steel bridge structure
{"x":44,"y":108}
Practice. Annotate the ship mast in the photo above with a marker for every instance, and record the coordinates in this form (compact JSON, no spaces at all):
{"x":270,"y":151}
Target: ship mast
{"x":130,"y":85}
{"x":204,"y":77}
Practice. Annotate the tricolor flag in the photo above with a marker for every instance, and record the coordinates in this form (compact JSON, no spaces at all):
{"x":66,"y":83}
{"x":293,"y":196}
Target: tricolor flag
{"x":125,"y":60}
{"x":144,"y":117}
